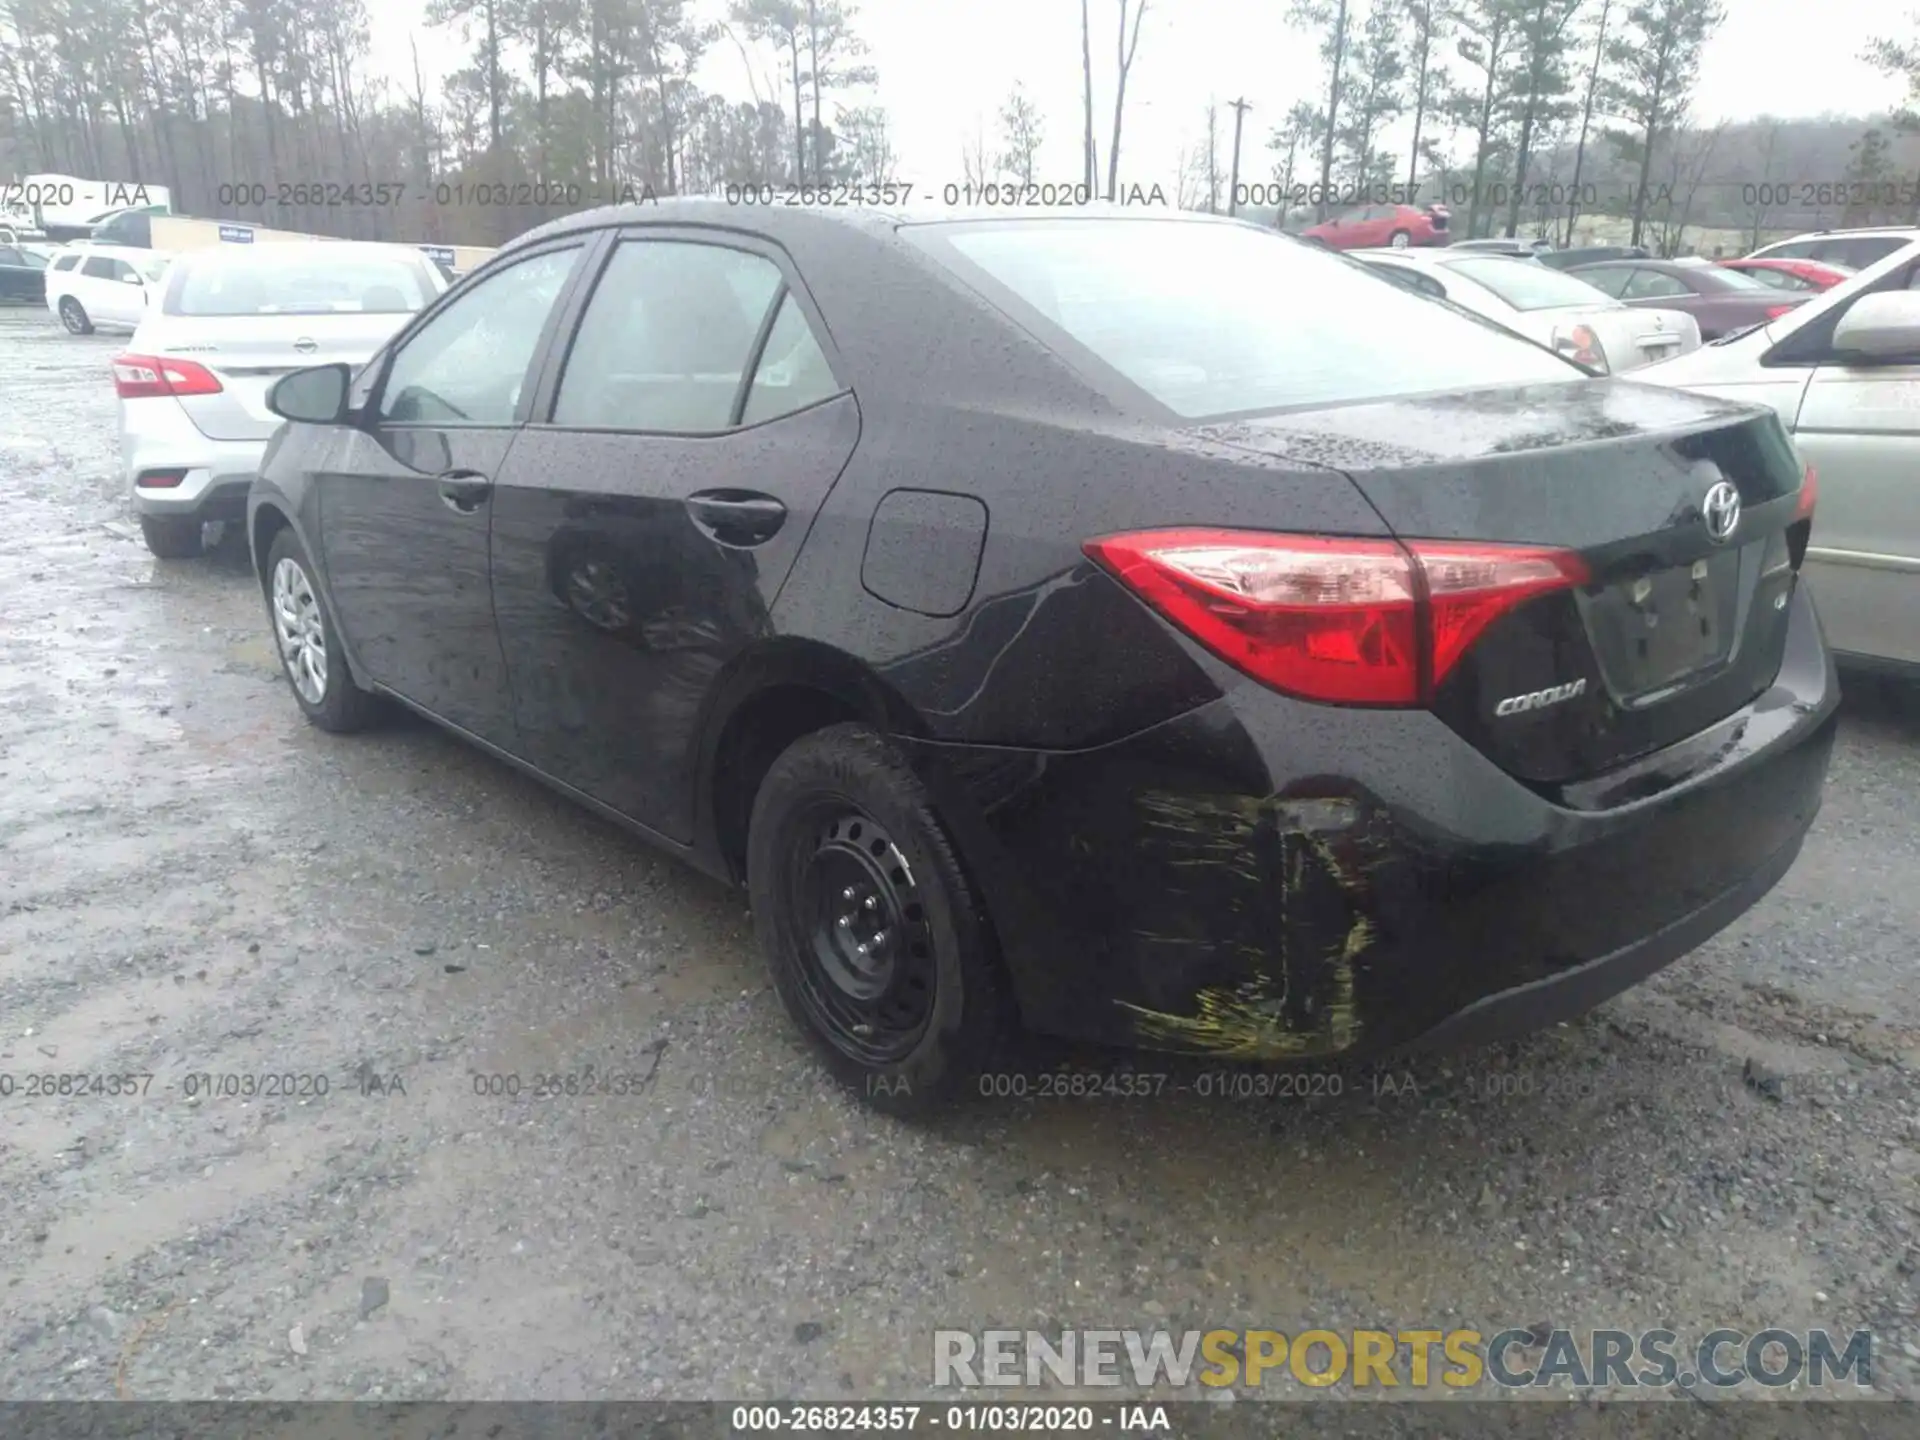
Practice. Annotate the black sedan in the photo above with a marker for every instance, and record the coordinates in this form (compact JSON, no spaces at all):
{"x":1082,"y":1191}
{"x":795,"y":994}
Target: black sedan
{"x":1721,"y":300}
{"x":1146,"y":628}
{"x":23,"y":275}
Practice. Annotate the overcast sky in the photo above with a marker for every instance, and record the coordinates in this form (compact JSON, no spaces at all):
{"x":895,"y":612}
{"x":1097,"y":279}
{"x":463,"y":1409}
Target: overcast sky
{"x":946,"y":65}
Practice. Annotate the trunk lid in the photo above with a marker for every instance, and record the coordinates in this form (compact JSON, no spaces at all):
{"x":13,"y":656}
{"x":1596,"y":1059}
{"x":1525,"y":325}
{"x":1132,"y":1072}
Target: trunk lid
{"x":250,"y":352}
{"x":1640,"y":337}
{"x":1677,"y":626}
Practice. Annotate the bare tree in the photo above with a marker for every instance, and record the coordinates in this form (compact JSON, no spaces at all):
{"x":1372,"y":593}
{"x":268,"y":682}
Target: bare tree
{"x":1126,"y":45}
{"x":1213,"y":158}
{"x":1586,"y":115}
{"x":975,"y":168}
{"x":1091,"y":157}
{"x":1691,"y":154}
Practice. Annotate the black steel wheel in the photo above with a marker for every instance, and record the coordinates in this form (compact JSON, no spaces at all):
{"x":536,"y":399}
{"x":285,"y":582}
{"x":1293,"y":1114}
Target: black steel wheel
{"x":858,"y":934}
{"x":878,"y":942}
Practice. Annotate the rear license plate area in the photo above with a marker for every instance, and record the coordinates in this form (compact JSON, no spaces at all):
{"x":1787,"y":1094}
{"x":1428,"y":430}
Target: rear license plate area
{"x":1655,"y":630}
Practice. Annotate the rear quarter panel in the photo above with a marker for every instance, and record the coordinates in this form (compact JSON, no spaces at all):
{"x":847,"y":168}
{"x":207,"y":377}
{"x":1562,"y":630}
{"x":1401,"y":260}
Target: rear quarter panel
{"x":1049,"y":653}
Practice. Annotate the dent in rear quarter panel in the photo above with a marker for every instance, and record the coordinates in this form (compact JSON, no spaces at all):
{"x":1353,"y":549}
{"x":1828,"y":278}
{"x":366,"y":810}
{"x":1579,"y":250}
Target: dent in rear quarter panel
{"x":1053,"y":664}
{"x":1050,"y":653}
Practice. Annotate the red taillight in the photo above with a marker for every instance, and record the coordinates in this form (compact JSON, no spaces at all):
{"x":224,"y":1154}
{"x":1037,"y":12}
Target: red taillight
{"x":144,"y":377}
{"x":1809,"y":495}
{"x":1346,"y":622}
{"x":160,"y":479}
{"x":1581,"y":346}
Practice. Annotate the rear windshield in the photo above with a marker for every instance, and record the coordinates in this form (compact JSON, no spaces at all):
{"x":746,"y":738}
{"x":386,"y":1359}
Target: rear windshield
{"x":1527,"y":285}
{"x":1215,"y":319}
{"x":263,"y":283}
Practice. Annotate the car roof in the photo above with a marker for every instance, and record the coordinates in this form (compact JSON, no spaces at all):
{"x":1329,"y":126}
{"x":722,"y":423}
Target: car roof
{"x":778,"y":222}
{"x":119,"y":252}
{"x":1442,"y":256}
{"x":1855,"y":230}
{"x":880,"y":294}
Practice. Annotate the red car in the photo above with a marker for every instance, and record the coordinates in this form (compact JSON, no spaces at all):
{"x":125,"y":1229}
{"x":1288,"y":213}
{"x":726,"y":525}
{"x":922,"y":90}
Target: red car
{"x":1368,"y":226}
{"x":1793,"y":275}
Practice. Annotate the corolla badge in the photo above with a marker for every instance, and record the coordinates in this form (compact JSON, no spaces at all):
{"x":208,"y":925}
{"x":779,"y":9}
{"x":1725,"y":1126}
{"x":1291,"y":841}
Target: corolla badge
{"x":1540,"y":699}
{"x":1721,"y":511}
{"x":305,"y":345}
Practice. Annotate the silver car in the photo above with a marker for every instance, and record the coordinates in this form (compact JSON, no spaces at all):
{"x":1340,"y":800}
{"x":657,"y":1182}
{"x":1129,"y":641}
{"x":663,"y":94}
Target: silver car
{"x":230,"y":321}
{"x":1563,"y":312}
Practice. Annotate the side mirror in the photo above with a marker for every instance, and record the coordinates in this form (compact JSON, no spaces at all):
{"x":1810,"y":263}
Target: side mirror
{"x":315,"y":396}
{"x":1881,"y":326}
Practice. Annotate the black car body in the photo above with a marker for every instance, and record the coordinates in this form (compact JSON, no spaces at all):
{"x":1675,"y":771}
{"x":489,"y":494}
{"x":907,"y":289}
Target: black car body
{"x":1014,"y":581}
{"x":23,"y":275}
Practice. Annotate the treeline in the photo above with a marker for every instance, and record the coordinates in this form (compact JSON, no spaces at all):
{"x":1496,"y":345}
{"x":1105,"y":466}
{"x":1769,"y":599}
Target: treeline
{"x":270,"y":111}
{"x":1527,"y":115}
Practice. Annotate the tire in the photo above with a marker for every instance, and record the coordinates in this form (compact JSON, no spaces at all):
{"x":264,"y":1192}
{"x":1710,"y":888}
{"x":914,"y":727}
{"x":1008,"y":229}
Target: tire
{"x":73,"y":315}
{"x":940,"y":1010}
{"x":172,"y":537}
{"x":1400,"y":240}
{"x":329,"y":699}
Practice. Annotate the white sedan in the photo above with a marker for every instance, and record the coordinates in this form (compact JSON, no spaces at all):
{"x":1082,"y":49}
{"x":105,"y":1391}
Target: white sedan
{"x":228,"y":323}
{"x":1560,"y":311}
{"x":1843,"y":373}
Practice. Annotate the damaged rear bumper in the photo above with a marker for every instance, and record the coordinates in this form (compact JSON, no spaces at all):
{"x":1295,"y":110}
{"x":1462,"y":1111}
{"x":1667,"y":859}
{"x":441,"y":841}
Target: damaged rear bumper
{"x":1267,"y":880}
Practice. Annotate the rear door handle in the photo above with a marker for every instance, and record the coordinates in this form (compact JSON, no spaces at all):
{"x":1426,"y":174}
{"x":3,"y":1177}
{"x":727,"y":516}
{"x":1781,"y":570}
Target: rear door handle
{"x":465,"y":490}
{"x":737,"y":517}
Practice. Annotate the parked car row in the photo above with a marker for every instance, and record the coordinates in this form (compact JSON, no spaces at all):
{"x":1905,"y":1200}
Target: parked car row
{"x":1562,"y":312}
{"x":213,"y":329}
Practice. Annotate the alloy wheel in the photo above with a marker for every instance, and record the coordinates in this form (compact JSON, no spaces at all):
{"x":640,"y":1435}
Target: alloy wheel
{"x":301,"y":631}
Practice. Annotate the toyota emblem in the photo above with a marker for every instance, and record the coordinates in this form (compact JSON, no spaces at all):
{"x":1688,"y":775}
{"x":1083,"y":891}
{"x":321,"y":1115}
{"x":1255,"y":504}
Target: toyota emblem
{"x":1721,"y":511}
{"x":305,"y":345}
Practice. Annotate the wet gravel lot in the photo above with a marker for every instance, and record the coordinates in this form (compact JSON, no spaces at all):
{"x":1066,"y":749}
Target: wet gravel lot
{"x":194,"y":882}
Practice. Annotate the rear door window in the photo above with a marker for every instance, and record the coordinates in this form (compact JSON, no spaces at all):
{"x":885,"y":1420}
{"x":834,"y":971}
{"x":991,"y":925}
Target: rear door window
{"x":666,"y":340}
{"x":793,"y":372}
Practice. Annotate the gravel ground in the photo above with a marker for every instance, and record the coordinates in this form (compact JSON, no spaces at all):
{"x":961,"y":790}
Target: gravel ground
{"x":193,"y":881}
